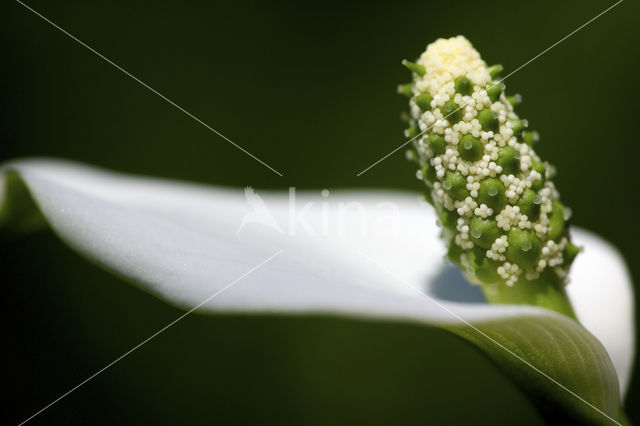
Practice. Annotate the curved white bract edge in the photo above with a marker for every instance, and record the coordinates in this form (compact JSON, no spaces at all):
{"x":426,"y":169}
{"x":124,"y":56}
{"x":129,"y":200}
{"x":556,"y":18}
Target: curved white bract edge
{"x":601,"y":292}
{"x":354,"y":253}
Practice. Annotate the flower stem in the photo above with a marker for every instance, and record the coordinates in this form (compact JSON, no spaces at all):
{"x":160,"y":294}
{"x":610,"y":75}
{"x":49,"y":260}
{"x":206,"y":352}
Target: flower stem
{"x":546,"y":291}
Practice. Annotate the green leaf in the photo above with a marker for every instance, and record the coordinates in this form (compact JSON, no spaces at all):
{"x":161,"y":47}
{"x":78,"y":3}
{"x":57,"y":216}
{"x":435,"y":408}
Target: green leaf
{"x":564,"y":370}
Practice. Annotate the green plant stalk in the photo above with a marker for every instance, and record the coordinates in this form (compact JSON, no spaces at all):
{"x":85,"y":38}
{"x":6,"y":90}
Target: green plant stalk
{"x":546,"y":291}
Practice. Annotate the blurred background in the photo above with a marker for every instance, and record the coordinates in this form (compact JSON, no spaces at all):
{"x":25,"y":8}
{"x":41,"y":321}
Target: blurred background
{"x":310,"y":88}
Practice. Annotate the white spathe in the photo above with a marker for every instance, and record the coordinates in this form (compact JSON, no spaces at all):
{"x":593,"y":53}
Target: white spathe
{"x":355,"y":253}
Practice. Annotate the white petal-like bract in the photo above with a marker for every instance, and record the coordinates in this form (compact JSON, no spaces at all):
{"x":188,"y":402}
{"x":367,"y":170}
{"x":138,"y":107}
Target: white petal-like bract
{"x":356,"y":253}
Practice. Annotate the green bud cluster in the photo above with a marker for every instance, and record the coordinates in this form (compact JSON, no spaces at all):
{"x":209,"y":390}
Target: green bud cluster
{"x":500,"y":213}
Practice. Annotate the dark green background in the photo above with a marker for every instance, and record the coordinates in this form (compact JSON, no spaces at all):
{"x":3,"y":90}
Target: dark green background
{"x":310,"y":89}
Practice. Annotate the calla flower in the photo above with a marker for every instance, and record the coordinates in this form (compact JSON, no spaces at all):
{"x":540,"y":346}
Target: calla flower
{"x":365,"y":254}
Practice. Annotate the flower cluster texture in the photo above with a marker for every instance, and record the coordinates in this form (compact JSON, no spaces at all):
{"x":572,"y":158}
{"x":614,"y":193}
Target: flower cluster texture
{"x":501,"y":215}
